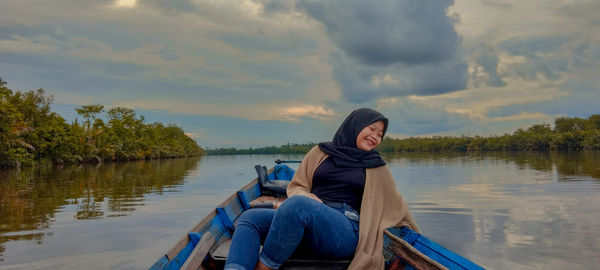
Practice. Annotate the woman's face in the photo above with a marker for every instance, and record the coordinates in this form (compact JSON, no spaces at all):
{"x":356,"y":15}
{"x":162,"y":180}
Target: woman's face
{"x":370,"y":136}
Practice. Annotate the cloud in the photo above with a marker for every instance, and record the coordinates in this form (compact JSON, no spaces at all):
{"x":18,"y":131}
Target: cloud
{"x":485,"y":66}
{"x":580,"y":10}
{"x":497,"y":4}
{"x":413,"y":44}
{"x":541,"y":56}
{"x":520,"y":116}
{"x":389,"y":31}
{"x":125,"y":3}
{"x":575,"y":104}
{"x":288,"y":44}
{"x":222,"y":53}
{"x":531,"y":66}
{"x":317,"y":112}
{"x":289,"y":111}
{"x":410,"y":117}
{"x":170,"y":7}
{"x":465,"y":66}
{"x":361,"y":83}
{"x":224,"y":131}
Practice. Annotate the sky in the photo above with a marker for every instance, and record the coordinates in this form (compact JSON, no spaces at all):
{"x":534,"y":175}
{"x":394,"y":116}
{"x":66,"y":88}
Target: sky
{"x":251,"y":73}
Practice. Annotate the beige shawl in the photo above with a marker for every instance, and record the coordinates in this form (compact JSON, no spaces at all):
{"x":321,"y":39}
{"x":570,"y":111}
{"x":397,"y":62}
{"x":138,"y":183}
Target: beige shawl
{"x":382,"y":207}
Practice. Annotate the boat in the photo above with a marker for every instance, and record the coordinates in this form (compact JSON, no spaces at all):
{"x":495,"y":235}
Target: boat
{"x":206,"y":245}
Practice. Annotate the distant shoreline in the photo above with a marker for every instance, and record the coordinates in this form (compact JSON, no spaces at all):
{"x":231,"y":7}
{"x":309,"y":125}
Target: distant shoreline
{"x":243,"y":152}
{"x":571,"y":134}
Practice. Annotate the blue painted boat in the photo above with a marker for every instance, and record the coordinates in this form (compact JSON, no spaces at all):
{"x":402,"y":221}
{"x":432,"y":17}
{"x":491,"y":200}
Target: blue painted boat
{"x":206,"y":245}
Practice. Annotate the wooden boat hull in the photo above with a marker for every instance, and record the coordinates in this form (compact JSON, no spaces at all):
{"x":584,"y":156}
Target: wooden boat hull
{"x":206,"y":244}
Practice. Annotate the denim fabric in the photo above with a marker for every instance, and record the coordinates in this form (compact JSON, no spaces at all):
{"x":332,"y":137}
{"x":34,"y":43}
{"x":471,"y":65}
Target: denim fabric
{"x":302,"y":223}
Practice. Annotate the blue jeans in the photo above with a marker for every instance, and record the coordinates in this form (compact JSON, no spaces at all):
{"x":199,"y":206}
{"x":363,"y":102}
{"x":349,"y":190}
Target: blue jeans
{"x":316,"y":229}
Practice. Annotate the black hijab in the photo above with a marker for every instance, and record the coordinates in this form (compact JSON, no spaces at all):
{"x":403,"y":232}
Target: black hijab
{"x":343,"y":150}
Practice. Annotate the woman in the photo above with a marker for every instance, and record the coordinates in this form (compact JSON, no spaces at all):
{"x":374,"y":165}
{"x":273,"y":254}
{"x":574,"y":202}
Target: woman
{"x":335,"y":183}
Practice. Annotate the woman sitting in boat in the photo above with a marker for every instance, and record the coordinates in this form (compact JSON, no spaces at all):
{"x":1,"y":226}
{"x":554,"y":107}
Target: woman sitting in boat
{"x":340,"y":200}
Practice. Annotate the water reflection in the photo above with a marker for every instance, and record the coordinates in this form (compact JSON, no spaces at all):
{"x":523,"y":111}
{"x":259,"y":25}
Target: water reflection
{"x":530,"y":210}
{"x":574,"y":163}
{"x":30,"y":198}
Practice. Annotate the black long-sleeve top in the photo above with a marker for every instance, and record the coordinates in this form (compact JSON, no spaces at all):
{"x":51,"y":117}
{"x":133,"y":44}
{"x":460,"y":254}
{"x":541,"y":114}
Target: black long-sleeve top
{"x":339,"y":184}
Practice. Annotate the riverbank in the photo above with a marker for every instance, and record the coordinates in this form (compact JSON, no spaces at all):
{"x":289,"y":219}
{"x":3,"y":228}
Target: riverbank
{"x":567,"y":134}
{"x":31,"y":134}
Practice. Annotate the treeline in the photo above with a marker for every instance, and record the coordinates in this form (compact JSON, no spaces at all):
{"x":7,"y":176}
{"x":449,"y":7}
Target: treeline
{"x":31,"y":134}
{"x":568,"y":134}
{"x":283,"y":149}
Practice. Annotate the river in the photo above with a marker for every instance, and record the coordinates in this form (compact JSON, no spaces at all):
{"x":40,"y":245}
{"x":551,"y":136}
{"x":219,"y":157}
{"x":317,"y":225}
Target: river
{"x":534,"y":210}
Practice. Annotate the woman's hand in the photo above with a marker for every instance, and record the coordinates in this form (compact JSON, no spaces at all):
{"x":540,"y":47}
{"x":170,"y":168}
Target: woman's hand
{"x":314,"y":197}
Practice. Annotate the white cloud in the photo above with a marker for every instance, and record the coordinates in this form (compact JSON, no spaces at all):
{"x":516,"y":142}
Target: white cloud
{"x":520,"y":116}
{"x":290,"y":112}
{"x":317,"y":112}
{"x":125,"y":3}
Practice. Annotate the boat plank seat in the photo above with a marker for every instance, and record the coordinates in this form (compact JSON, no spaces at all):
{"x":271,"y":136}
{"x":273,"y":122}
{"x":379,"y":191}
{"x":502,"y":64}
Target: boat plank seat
{"x":267,"y":202}
{"x":294,"y":263}
{"x":200,"y":251}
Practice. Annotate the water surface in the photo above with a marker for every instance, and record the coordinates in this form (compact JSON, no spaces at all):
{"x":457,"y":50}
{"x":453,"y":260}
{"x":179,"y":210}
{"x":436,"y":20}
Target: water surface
{"x":502,"y":210}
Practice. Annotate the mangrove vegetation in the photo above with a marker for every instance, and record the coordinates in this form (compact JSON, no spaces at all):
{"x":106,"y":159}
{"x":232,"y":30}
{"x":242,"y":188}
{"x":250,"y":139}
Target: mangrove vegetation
{"x":30,"y":133}
{"x":283,"y":149}
{"x":568,"y":133}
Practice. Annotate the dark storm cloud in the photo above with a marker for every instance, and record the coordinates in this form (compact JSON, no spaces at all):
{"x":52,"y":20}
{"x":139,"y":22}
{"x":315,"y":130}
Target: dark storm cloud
{"x":486,"y":57}
{"x":387,"y":32}
{"x":391,"y":48}
{"x":357,"y":80}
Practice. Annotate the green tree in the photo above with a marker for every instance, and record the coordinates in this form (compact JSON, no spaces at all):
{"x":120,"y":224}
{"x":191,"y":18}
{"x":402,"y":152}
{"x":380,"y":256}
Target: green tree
{"x":89,"y":112}
{"x":30,"y":133}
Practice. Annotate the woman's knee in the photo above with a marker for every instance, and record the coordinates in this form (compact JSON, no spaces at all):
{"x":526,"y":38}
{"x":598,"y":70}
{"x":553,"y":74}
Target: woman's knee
{"x":295,"y":205}
{"x":298,"y":202}
{"x":257,"y":218}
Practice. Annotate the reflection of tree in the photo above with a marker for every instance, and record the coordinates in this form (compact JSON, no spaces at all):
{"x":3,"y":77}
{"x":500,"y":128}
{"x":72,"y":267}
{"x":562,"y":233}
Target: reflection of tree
{"x":29,"y":198}
{"x":566,"y":162}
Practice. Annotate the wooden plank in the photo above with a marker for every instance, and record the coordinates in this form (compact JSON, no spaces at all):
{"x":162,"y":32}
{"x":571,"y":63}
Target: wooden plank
{"x":412,"y":255}
{"x":181,"y":244}
{"x":200,"y":251}
{"x":275,"y":202}
{"x":222,"y":250}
